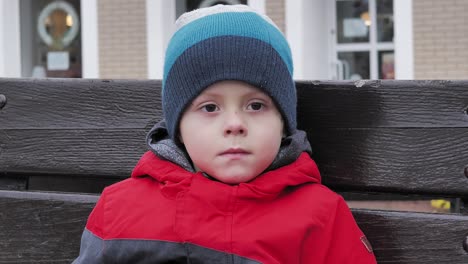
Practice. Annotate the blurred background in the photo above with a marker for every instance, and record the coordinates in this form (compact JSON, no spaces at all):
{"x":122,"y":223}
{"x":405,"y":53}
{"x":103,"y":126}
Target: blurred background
{"x":330,"y":39}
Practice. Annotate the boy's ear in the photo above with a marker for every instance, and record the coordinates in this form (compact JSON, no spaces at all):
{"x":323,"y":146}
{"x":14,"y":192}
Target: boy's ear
{"x":179,"y":136}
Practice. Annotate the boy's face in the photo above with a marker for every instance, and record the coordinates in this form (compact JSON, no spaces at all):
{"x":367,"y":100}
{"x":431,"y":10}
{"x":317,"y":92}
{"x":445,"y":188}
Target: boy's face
{"x":232,"y":131}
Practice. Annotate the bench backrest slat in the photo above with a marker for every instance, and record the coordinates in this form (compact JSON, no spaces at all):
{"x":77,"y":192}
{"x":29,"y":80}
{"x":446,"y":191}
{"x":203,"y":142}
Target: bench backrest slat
{"x":383,"y":104}
{"x":40,"y":104}
{"x":416,"y":238}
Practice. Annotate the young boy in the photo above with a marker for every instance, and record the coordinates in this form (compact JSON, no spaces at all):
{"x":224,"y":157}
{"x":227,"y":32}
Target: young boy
{"x":229,"y":178}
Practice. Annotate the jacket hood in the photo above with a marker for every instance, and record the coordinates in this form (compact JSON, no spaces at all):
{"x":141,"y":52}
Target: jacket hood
{"x":174,"y":178}
{"x":161,"y":144}
{"x":169,"y":163}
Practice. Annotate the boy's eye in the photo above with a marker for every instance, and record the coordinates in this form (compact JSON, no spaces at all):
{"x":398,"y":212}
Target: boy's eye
{"x":255,"y":106}
{"x":209,"y":108}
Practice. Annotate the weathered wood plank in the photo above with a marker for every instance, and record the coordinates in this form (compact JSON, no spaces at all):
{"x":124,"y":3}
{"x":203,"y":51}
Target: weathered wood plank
{"x":79,"y":103}
{"x":91,"y":152}
{"x":79,"y":198}
{"x":84,"y":103}
{"x":44,"y":227}
{"x":377,"y":103}
{"x":415,"y":238}
{"x":421,"y":161}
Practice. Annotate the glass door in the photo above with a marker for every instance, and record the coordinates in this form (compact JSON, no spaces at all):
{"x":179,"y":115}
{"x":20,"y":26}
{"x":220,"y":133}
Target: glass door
{"x":362,"y":39}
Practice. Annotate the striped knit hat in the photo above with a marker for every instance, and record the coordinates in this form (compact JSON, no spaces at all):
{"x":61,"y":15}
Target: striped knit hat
{"x":226,"y":42}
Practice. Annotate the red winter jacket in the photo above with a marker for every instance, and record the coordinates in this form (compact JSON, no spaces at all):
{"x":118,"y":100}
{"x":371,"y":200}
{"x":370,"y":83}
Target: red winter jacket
{"x":165,"y":214}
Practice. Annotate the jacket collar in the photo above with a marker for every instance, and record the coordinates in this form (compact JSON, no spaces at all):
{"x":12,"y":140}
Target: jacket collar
{"x":175,"y":179}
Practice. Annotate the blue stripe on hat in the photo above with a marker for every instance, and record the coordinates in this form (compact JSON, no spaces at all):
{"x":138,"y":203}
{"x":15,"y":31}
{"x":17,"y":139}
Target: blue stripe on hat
{"x":223,"y":24}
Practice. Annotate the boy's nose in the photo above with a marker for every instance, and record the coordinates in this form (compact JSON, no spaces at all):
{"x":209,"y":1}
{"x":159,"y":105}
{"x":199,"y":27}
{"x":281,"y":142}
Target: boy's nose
{"x":235,"y":125}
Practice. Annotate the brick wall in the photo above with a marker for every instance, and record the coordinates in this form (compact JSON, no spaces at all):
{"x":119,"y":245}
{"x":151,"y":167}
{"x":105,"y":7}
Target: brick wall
{"x":440,"y":31}
{"x":275,"y":9}
{"x":122,"y":39}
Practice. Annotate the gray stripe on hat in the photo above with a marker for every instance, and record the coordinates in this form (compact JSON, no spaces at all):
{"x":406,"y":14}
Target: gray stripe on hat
{"x":96,"y":250}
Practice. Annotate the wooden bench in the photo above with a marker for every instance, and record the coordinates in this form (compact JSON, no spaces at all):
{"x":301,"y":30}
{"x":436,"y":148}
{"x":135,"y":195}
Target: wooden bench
{"x":63,"y":140}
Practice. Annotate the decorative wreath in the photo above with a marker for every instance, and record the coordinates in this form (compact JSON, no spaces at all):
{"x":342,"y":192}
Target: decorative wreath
{"x":70,"y":35}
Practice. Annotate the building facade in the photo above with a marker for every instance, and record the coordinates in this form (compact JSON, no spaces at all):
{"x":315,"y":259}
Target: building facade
{"x":330,"y":39}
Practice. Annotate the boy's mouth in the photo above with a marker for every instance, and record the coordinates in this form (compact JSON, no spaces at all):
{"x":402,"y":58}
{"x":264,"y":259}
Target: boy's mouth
{"x":234,"y":152}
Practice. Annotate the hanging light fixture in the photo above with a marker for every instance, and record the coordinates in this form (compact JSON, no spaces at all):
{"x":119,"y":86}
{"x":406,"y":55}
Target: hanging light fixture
{"x":366,"y":18}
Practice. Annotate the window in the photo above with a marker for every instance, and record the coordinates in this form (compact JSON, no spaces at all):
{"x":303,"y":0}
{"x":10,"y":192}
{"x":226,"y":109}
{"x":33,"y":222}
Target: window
{"x":363,"y":38}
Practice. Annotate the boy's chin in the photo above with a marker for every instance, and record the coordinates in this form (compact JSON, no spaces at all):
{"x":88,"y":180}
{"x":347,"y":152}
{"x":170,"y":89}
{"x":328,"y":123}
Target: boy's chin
{"x":234,"y":178}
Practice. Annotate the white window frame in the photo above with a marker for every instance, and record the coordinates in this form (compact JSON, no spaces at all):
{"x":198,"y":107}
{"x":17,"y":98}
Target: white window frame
{"x":160,"y":18}
{"x":308,"y":37}
{"x":89,"y":39}
{"x":404,"y":48}
{"x":10,"y":45}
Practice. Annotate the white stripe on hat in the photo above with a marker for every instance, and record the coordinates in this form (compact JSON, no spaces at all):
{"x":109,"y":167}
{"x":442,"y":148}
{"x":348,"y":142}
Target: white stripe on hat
{"x":191,"y":16}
